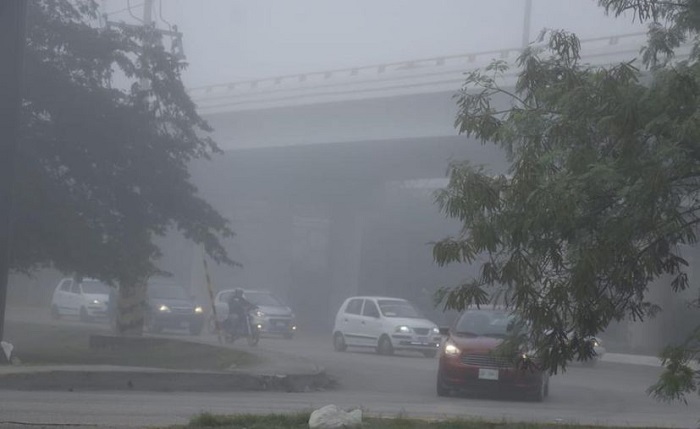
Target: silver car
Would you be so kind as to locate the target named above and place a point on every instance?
(272, 315)
(86, 298)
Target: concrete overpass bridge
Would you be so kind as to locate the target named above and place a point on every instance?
(315, 170)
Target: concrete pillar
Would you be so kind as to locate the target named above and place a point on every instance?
(264, 238)
(649, 336)
(344, 256)
(275, 272)
(308, 277)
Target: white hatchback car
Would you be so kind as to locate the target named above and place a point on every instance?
(385, 324)
(86, 299)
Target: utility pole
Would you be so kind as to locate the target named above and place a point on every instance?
(12, 41)
(147, 22)
(526, 23)
(147, 12)
(144, 85)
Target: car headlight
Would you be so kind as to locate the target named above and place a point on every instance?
(526, 353)
(451, 349)
(164, 309)
(259, 313)
(198, 309)
(403, 329)
(436, 331)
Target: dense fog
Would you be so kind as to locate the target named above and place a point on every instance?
(335, 122)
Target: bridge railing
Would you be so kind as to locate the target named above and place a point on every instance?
(599, 46)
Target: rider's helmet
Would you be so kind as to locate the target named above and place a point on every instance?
(238, 293)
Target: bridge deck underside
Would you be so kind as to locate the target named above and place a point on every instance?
(326, 170)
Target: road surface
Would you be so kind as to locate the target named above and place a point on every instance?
(404, 384)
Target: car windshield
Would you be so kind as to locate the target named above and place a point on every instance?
(167, 291)
(263, 298)
(486, 323)
(398, 308)
(95, 287)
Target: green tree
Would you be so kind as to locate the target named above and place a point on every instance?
(602, 193)
(103, 160)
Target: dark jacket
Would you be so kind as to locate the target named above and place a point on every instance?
(238, 306)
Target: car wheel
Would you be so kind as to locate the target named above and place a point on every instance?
(55, 314)
(440, 387)
(84, 317)
(430, 353)
(339, 342)
(384, 347)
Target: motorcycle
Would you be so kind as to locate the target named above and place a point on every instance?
(248, 329)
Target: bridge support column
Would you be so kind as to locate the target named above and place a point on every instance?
(344, 255)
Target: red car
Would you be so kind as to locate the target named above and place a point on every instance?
(468, 362)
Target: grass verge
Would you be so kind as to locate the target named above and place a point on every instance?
(64, 344)
(301, 420)
(250, 421)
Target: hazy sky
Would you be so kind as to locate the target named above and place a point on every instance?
(232, 40)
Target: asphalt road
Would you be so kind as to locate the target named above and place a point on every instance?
(402, 384)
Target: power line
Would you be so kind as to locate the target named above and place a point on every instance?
(173, 32)
(128, 4)
(160, 13)
(526, 23)
(126, 9)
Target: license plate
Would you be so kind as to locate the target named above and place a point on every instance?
(281, 324)
(184, 324)
(488, 374)
(423, 340)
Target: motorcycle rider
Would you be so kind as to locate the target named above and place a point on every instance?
(238, 308)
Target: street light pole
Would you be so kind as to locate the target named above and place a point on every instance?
(12, 40)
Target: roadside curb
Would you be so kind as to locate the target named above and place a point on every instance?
(638, 360)
(631, 359)
(271, 372)
(149, 379)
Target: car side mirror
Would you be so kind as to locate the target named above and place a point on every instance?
(445, 331)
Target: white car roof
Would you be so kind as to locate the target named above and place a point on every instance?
(377, 298)
(84, 279)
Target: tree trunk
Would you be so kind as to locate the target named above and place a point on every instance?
(131, 308)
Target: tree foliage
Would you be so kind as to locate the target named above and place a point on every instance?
(103, 160)
(602, 194)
